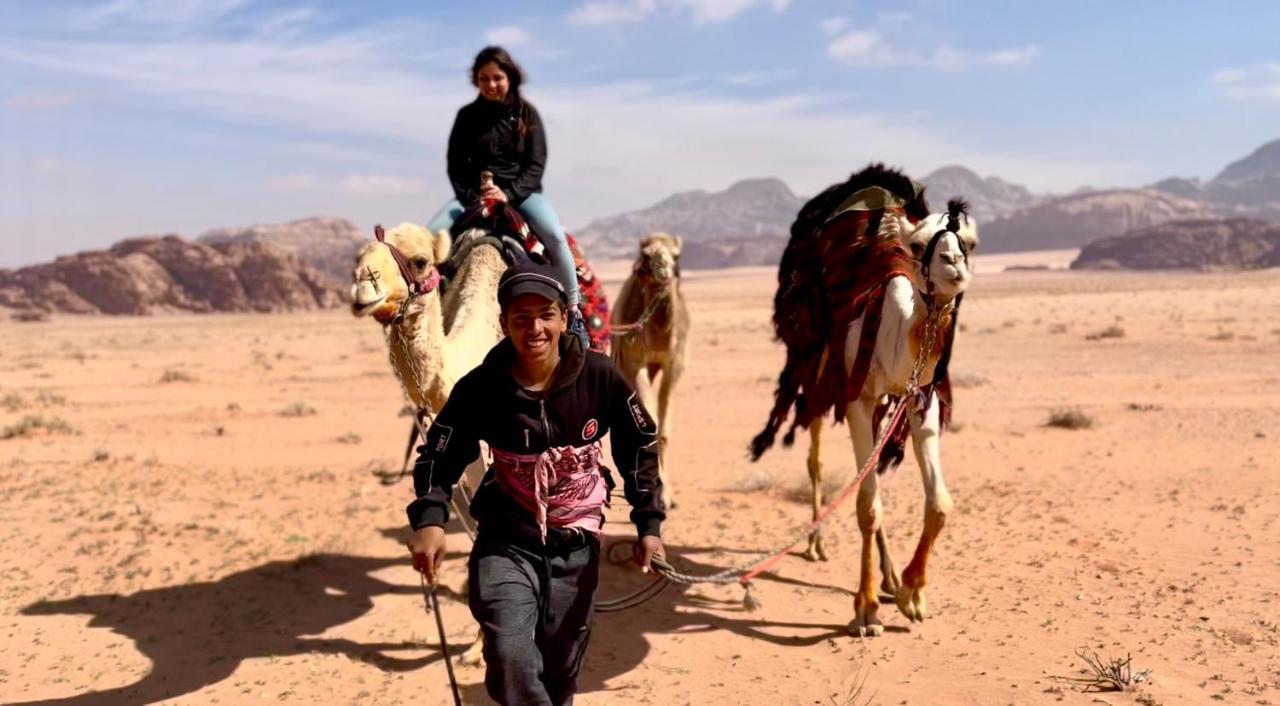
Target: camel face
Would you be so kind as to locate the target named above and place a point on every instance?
(378, 288)
(659, 255)
(951, 264)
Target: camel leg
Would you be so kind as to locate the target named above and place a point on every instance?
(670, 376)
(870, 511)
(474, 656)
(937, 504)
(889, 583)
(816, 552)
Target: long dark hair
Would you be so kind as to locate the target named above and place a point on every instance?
(515, 78)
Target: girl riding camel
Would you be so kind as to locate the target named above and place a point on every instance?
(500, 132)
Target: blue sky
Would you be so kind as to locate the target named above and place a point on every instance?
(124, 117)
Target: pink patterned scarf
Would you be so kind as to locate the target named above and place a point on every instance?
(562, 487)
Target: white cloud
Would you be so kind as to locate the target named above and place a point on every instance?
(894, 19)
(608, 12)
(350, 88)
(834, 25)
(293, 182)
(1257, 82)
(869, 48)
(160, 12)
(509, 35)
(41, 101)
(381, 185)
(1229, 76)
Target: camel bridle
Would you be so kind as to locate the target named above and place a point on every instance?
(417, 286)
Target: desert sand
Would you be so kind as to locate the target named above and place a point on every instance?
(208, 526)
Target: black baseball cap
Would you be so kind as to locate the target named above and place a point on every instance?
(530, 278)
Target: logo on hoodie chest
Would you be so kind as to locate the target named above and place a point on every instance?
(590, 429)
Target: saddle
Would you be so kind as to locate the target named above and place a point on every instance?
(497, 224)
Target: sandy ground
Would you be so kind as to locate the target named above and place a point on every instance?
(210, 528)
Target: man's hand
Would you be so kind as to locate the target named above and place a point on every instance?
(427, 546)
(647, 548)
(493, 192)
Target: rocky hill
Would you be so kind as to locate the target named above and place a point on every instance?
(327, 244)
(752, 209)
(989, 198)
(1218, 244)
(153, 275)
(1252, 184)
(1075, 221)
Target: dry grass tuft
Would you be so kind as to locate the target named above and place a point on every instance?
(33, 424)
(754, 481)
(1112, 674)
(172, 375)
(965, 380)
(350, 438)
(298, 409)
(1069, 418)
(1112, 331)
(13, 402)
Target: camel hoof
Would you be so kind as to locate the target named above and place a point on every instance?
(865, 622)
(912, 603)
(864, 629)
(816, 550)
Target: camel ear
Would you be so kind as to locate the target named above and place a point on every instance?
(679, 244)
(442, 246)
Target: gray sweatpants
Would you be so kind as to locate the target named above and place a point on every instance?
(535, 609)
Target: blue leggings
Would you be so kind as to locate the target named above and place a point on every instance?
(542, 218)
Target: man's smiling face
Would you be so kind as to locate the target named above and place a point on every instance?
(534, 324)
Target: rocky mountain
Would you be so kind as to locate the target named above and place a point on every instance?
(989, 198)
(1217, 244)
(327, 244)
(153, 275)
(749, 209)
(1252, 184)
(1075, 221)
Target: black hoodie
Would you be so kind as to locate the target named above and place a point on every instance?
(587, 399)
(485, 136)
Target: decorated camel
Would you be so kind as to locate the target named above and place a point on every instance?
(869, 291)
(651, 334)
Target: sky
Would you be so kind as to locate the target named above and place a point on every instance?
(129, 117)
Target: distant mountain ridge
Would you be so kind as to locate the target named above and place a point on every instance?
(750, 221)
(748, 209)
(154, 275)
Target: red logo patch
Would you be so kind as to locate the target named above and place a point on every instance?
(589, 431)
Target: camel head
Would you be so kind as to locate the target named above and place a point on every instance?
(659, 259)
(943, 244)
(378, 288)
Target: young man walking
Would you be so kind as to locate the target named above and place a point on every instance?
(543, 404)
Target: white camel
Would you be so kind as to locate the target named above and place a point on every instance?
(867, 253)
(651, 334)
(917, 312)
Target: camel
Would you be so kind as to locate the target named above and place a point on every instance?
(651, 334)
(432, 340)
(920, 261)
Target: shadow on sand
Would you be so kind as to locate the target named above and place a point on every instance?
(197, 634)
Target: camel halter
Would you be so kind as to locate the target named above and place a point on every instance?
(416, 287)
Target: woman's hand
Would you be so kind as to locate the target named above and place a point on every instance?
(494, 193)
